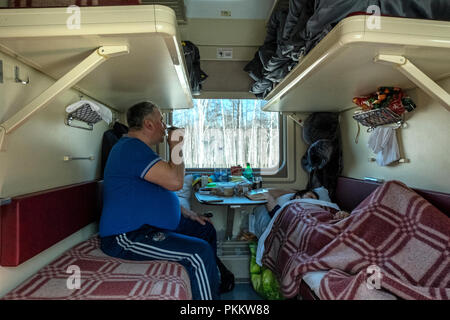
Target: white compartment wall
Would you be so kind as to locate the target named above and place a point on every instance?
(33, 156)
(425, 142)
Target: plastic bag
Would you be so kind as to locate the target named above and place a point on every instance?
(263, 280)
(383, 142)
(392, 98)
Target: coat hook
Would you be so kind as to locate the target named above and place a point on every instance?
(297, 121)
(16, 72)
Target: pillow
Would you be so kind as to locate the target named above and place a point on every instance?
(284, 198)
(323, 194)
(184, 194)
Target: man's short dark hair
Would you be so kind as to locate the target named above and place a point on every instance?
(137, 113)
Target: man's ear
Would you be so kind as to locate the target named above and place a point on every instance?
(148, 124)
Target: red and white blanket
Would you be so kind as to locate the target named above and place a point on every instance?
(394, 244)
(104, 278)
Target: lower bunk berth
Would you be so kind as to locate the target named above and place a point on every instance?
(86, 273)
(394, 245)
(35, 222)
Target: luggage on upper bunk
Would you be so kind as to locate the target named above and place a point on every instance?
(292, 33)
(293, 38)
(267, 59)
(195, 73)
(328, 13)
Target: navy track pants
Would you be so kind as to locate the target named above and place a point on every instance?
(191, 244)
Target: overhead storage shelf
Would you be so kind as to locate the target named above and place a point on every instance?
(152, 69)
(353, 60)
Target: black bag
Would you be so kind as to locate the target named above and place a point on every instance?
(196, 75)
(323, 159)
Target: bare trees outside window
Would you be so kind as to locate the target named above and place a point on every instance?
(223, 133)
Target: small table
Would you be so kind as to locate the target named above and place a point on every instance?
(232, 203)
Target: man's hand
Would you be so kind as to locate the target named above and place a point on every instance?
(194, 216)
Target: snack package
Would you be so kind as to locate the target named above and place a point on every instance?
(392, 98)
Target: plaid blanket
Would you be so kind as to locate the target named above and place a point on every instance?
(104, 278)
(394, 244)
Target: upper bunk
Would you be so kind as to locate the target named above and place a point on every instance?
(142, 53)
(353, 59)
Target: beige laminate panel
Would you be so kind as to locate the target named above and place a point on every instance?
(154, 69)
(342, 65)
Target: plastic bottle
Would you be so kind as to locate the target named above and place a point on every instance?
(204, 180)
(248, 172)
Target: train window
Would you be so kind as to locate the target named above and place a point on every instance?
(221, 133)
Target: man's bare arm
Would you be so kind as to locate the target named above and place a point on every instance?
(169, 174)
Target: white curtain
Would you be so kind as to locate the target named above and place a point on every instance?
(225, 133)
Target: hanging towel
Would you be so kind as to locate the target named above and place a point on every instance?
(383, 142)
(100, 109)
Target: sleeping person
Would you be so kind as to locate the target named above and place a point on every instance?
(272, 205)
(264, 216)
(311, 194)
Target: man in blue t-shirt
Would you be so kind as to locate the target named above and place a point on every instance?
(141, 217)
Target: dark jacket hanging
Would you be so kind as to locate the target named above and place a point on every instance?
(110, 137)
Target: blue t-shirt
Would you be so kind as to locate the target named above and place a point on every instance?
(130, 201)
